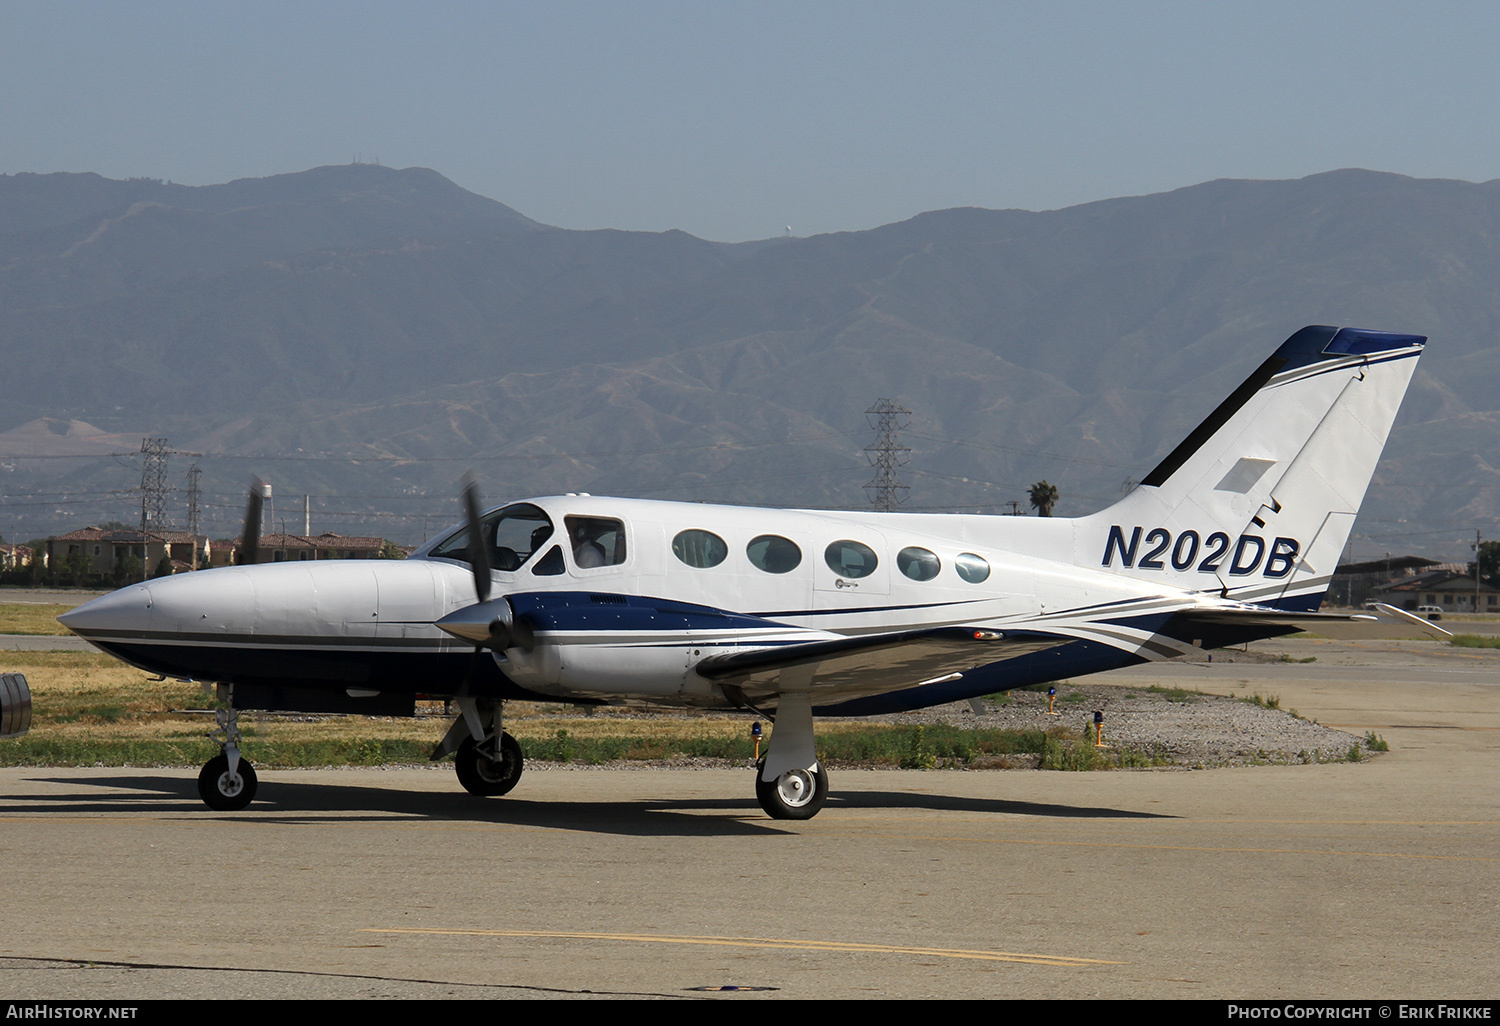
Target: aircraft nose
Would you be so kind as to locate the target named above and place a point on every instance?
(128, 609)
(209, 600)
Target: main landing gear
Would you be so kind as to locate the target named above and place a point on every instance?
(789, 781)
(795, 794)
(487, 759)
(227, 782)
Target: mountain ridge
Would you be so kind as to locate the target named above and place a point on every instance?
(389, 313)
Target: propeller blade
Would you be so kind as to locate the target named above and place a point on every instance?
(250, 537)
(479, 552)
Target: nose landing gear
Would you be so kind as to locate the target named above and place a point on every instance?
(226, 790)
(227, 782)
(483, 770)
(487, 759)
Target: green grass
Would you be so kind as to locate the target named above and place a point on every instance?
(922, 746)
(1475, 641)
(89, 709)
(31, 618)
(280, 744)
(40, 749)
(1083, 756)
(1181, 695)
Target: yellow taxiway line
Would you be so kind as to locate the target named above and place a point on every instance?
(763, 942)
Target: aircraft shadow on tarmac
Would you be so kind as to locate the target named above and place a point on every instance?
(303, 802)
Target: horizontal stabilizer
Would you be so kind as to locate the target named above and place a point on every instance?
(1383, 622)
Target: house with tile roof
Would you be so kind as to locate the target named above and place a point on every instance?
(279, 548)
(107, 547)
(1449, 588)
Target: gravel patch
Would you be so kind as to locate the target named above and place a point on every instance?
(1175, 729)
(1185, 728)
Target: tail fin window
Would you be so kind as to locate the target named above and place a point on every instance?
(1244, 474)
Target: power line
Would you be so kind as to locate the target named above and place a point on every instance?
(476, 458)
(971, 444)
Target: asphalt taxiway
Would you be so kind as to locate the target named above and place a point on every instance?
(1372, 880)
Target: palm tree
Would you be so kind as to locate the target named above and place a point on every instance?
(1043, 498)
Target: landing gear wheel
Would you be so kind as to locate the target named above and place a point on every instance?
(484, 776)
(221, 791)
(796, 794)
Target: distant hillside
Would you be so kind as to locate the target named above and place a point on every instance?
(367, 311)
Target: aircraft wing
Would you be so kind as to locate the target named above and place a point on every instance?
(1384, 622)
(871, 664)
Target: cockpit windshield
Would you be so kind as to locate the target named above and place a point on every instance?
(511, 533)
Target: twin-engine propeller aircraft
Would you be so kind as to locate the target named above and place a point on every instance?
(794, 613)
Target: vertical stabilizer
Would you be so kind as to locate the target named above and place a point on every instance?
(1258, 501)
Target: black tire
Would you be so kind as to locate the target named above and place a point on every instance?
(796, 794)
(224, 793)
(486, 777)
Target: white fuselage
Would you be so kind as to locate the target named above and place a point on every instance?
(370, 624)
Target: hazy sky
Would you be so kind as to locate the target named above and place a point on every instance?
(732, 120)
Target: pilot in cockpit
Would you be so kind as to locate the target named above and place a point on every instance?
(587, 552)
(539, 538)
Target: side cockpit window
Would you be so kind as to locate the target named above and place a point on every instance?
(512, 534)
(596, 541)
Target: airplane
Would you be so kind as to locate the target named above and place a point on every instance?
(793, 614)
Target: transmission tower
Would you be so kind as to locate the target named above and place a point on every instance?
(886, 453)
(154, 487)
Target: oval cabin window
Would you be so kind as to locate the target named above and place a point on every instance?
(972, 568)
(774, 554)
(701, 549)
(917, 563)
(850, 558)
